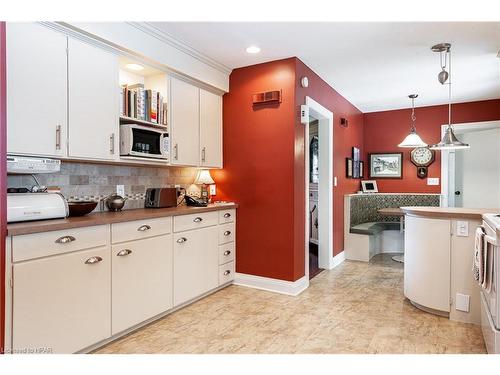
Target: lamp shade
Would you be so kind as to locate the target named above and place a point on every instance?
(449, 142)
(203, 178)
(412, 140)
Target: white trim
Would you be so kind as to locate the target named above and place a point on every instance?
(338, 259)
(291, 288)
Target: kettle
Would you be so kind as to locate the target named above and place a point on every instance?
(115, 202)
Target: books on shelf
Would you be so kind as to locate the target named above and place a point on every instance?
(143, 104)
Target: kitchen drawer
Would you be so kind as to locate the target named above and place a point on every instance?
(226, 233)
(195, 221)
(138, 229)
(226, 253)
(226, 273)
(227, 216)
(37, 245)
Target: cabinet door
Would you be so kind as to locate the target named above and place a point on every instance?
(62, 303)
(210, 129)
(93, 102)
(196, 264)
(185, 120)
(36, 90)
(142, 280)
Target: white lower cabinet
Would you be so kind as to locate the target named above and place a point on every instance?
(142, 280)
(62, 303)
(196, 261)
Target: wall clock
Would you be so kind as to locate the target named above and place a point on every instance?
(422, 157)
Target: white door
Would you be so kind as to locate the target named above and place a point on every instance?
(185, 120)
(196, 263)
(36, 90)
(62, 303)
(93, 102)
(210, 129)
(142, 280)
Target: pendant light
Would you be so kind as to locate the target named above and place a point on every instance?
(449, 140)
(413, 140)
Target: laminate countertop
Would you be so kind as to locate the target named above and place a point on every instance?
(38, 226)
(449, 212)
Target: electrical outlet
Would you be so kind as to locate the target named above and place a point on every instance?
(213, 190)
(462, 228)
(120, 190)
(433, 181)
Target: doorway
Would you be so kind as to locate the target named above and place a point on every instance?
(471, 177)
(319, 189)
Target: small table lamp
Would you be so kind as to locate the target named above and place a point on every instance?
(204, 179)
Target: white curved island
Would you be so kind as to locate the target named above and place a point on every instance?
(439, 245)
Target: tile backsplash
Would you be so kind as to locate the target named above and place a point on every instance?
(87, 181)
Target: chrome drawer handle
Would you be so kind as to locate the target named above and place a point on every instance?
(226, 272)
(197, 219)
(124, 252)
(227, 214)
(93, 260)
(65, 239)
(227, 233)
(143, 228)
(227, 252)
(182, 239)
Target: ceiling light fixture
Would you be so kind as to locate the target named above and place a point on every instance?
(449, 140)
(136, 67)
(413, 140)
(253, 49)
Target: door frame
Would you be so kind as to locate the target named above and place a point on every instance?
(448, 156)
(325, 185)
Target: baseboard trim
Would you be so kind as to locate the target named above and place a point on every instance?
(337, 259)
(291, 288)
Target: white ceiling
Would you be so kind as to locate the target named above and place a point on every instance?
(373, 65)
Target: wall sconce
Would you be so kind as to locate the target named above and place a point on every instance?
(344, 123)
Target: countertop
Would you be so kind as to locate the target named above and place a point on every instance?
(449, 212)
(391, 211)
(28, 227)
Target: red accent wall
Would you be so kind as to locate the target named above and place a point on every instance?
(383, 131)
(3, 179)
(264, 165)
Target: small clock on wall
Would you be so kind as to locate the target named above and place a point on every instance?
(422, 157)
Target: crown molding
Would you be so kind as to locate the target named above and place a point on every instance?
(164, 37)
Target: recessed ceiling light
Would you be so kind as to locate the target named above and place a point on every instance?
(253, 49)
(134, 66)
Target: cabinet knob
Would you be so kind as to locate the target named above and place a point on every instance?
(198, 219)
(143, 228)
(227, 252)
(182, 240)
(124, 252)
(65, 239)
(226, 272)
(227, 214)
(93, 260)
(227, 233)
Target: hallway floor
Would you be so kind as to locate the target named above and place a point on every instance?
(355, 308)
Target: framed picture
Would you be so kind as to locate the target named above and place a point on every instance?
(386, 165)
(348, 167)
(355, 154)
(355, 169)
(361, 169)
(369, 186)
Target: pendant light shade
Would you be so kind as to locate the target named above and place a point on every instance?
(449, 140)
(413, 140)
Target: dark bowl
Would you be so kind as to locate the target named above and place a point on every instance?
(81, 208)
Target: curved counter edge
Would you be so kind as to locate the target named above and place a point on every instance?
(449, 212)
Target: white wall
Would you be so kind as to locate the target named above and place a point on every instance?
(477, 170)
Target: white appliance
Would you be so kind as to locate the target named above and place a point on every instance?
(490, 308)
(35, 206)
(144, 141)
(28, 165)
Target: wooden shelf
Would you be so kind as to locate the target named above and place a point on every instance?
(131, 120)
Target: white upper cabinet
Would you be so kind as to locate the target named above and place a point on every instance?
(210, 129)
(36, 90)
(93, 102)
(184, 122)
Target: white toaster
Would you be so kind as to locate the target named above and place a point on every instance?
(35, 206)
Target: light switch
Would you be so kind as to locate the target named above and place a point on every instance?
(462, 302)
(120, 190)
(463, 228)
(335, 181)
(433, 181)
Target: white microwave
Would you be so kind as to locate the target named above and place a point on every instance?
(144, 141)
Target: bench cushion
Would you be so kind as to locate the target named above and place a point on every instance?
(375, 227)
